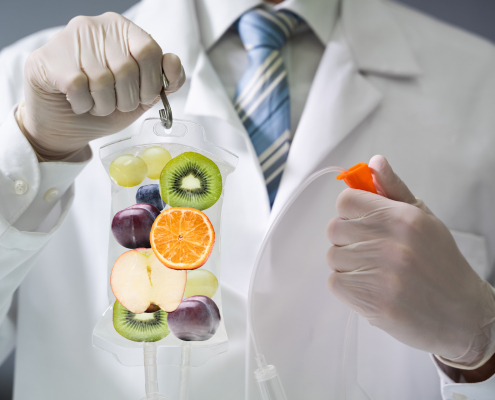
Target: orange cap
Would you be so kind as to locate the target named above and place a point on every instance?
(358, 177)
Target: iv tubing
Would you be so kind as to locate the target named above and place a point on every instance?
(185, 368)
(267, 373)
(350, 321)
(150, 371)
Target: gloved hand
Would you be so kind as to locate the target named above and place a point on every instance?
(399, 267)
(94, 78)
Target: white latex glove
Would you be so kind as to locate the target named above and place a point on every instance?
(399, 267)
(94, 78)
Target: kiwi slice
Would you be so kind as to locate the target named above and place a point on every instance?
(191, 180)
(145, 327)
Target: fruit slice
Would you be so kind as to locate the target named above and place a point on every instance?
(191, 180)
(201, 282)
(139, 282)
(128, 170)
(147, 327)
(155, 158)
(182, 238)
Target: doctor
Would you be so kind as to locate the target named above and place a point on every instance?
(365, 77)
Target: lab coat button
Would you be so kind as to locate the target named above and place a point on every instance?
(51, 194)
(20, 187)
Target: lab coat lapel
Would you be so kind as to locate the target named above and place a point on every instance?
(367, 40)
(339, 100)
(207, 95)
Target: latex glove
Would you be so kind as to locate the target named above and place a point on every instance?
(399, 267)
(94, 78)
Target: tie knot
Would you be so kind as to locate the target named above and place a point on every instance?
(263, 28)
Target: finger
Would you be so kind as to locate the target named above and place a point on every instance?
(148, 56)
(174, 71)
(358, 257)
(360, 291)
(100, 79)
(102, 88)
(344, 286)
(388, 182)
(344, 232)
(65, 77)
(126, 74)
(354, 203)
(92, 60)
(75, 85)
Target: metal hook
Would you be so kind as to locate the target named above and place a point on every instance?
(166, 113)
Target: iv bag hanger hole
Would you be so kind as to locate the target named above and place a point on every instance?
(177, 130)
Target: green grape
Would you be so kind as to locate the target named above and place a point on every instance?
(128, 170)
(201, 282)
(155, 158)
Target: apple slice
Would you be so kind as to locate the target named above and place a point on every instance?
(140, 282)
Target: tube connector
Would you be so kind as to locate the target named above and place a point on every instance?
(266, 373)
(358, 177)
(269, 383)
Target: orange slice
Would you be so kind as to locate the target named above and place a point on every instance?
(182, 238)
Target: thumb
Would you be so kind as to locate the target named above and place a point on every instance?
(389, 185)
(174, 71)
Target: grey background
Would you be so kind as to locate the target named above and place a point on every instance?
(19, 18)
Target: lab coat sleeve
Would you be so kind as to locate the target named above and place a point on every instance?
(24, 226)
(452, 390)
(29, 193)
(452, 384)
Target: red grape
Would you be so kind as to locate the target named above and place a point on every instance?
(196, 319)
(131, 226)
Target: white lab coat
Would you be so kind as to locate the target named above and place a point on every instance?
(391, 82)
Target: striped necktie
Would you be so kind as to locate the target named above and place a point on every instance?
(262, 95)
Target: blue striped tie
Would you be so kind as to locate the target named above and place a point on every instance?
(262, 96)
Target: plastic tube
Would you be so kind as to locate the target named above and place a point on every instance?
(151, 372)
(350, 321)
(266, 375)
(185, 368)
(269, 383)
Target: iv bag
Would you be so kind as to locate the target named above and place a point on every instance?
(127, 191)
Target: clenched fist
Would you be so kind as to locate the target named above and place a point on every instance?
(94, 78)
(399, 267)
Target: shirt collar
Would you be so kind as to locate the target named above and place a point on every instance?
(375, 37)
(216, 16)
(320, 16)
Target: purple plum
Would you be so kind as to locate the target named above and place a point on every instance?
(196, 319)
(150, 194)
(131, 226)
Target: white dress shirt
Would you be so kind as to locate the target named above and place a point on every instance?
(301, 55)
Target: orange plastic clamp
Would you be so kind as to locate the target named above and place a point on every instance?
(358, 177)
